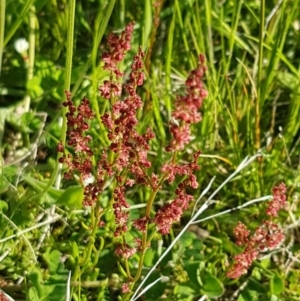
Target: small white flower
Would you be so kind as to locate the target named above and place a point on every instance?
(21, 45)
(88, 180)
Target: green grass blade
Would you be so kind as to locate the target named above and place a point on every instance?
(18, 21)
(2, 26)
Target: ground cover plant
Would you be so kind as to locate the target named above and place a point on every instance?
(149, 150)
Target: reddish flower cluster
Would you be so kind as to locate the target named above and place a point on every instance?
(279, 200)
(141, 223)
(81, 162)
(186, 113)
(121, 216)
(128, 163)
(266, 237)
(125, 251)
(130, 148)
(125, 288)
(172, 212)
(187, 108)
(118, 46)
(77, 121)
(241, 233)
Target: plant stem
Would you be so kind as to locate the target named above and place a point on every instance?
(2, 26)
(14, 27)
(258, 100)
(31, 56)
(83, 263)
(69, 56)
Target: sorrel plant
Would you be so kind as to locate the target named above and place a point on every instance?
(126, 163)
(126, 160)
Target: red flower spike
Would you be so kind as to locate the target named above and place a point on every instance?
(279, 200)
(141, 223)
(266, 237)
(187, 107)
(131, 148)
(118, 46)
(241, 234)
(125, 251)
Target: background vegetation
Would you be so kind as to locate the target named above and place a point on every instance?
(253, 58)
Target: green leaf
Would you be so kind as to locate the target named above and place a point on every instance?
(194, 254)
(34, 87)
(47, 291)
(77, 73)
(248, 295)
(58, 293)
(241, 298)
(212, 286)
(159, 289)
(185, 290)
(256, 286)
(33, 294)
(276, 285)
(52, 195)
(3, 206)
(187, 239)
(257, 274)
(7, 175)
(287, 79)
(149, 256)
(53, 260)
(134, 214)
(74, 250)
(265, 263)
(193, 271)
(72, 197)
(193, 251)
(36, 279)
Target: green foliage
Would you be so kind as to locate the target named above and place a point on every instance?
(276, 285)
(252, 50)
(211, 286)
(53, 287)
(71, 197)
